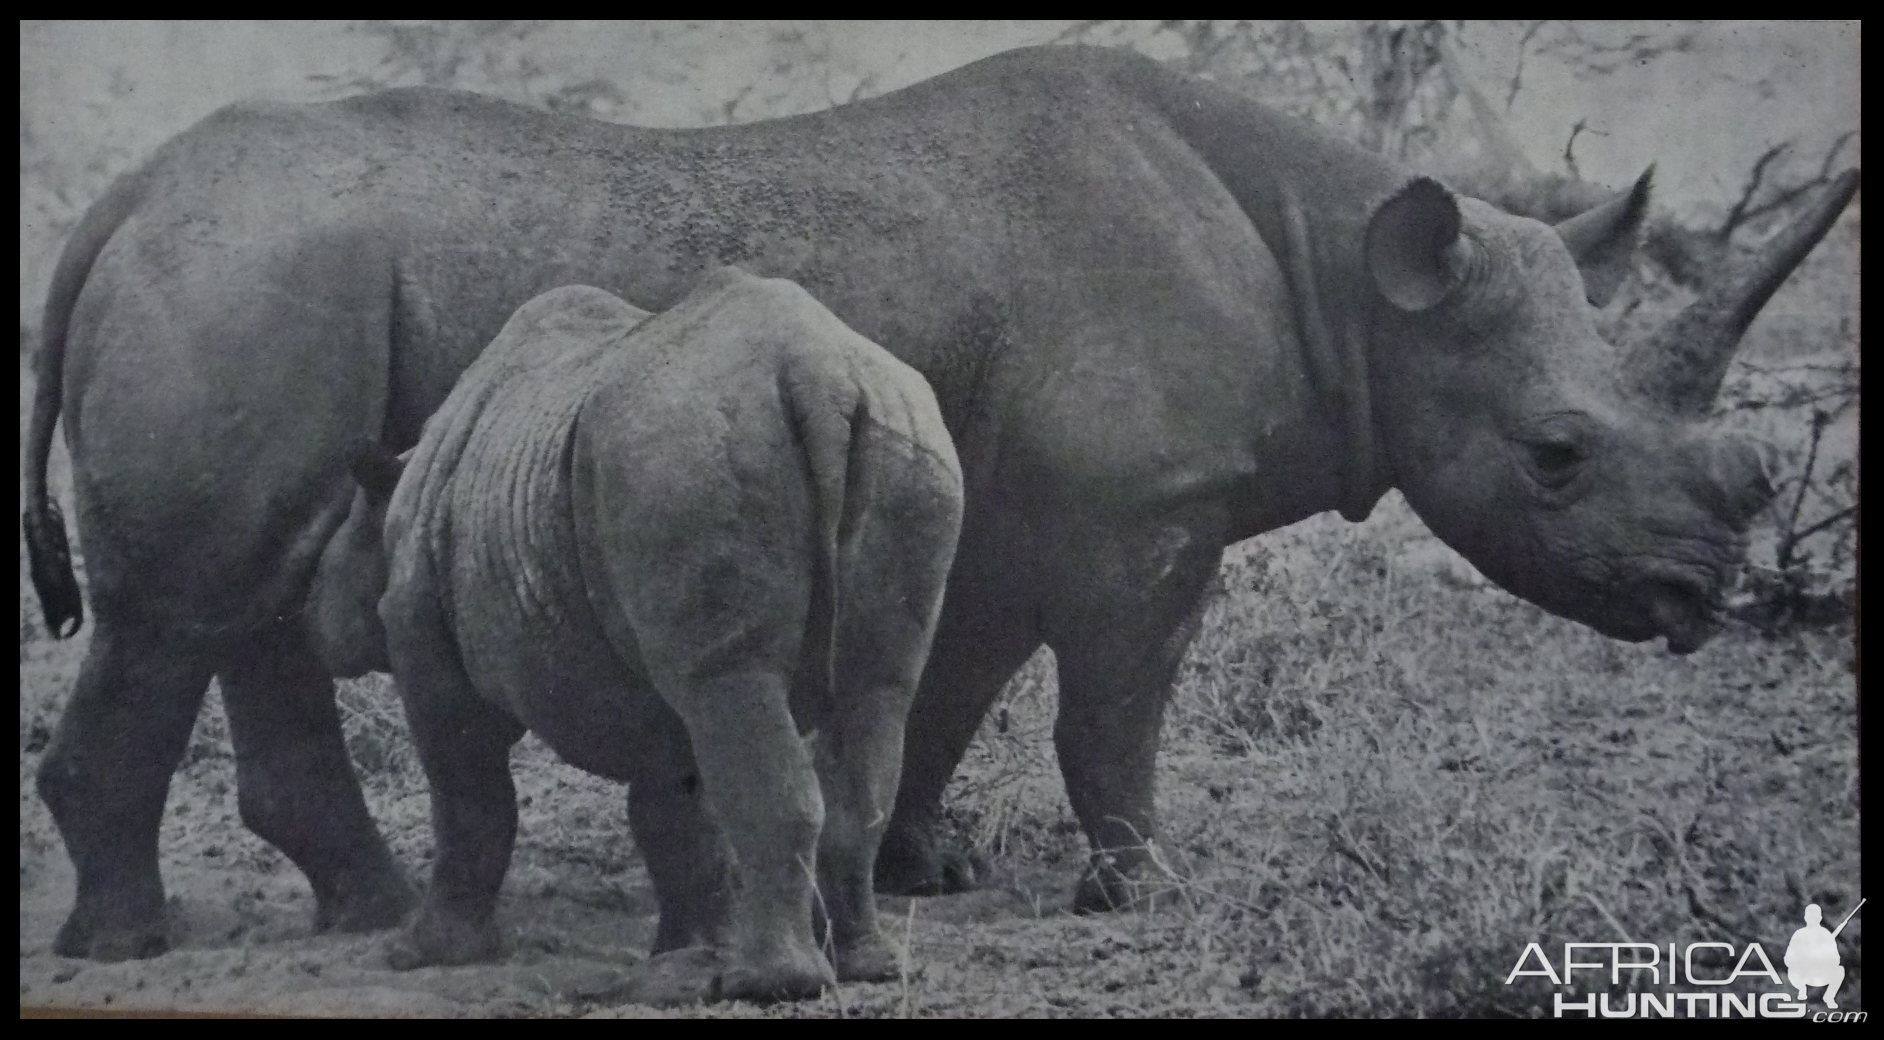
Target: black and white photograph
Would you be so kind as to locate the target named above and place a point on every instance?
(1054, 519)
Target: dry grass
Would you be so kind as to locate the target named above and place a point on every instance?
(1379, 784)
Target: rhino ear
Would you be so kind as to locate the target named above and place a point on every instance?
(376, 468)
(1603, 239)
(1411, 245)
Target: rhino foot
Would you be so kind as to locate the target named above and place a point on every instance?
(919, 865)
(704, 974)
(381, 904)
(81, 937)
(435, 938)
(1109, 885)
(873, 958)
(787, 972)
(690, 975)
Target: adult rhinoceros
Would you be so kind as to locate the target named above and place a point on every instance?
(1159, 318)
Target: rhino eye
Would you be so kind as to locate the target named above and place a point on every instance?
(1554, 461)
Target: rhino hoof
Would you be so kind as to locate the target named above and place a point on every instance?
(960, 871)
(690, 975)
(1105, 888)
(141, 942)
(871, 959)
(922, 869)
(702, 974)
(383, 906)
(792, 975)
(437, 939)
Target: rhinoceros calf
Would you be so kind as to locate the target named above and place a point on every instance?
(705, 556)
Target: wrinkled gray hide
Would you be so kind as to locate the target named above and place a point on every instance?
(719, 529)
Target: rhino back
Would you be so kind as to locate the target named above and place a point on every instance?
(990, 227)
(955, 191)
(486, 503)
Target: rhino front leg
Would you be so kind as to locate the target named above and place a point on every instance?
(105, 778)
(985, 635)
(295, 786)
(1118, 639)
(464, 745)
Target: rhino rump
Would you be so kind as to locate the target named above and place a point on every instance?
(719, 465)
(770, 486)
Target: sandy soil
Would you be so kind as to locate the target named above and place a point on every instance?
(577, 909)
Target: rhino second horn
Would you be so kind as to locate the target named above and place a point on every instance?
(1603, 239)
(1684, 363)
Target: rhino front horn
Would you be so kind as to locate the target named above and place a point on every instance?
(1684, 363)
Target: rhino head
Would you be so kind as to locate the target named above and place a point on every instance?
(342, 613)
(1583, 477)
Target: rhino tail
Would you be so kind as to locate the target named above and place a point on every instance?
(827, 424)
(48, 552)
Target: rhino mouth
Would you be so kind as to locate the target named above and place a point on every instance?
(1686, 609)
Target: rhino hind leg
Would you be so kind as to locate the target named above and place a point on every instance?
(763, 788)
(296, 789)
(466, 754)
(894, 565)
(681, 844)
(106, 775)
(1118, 643)
(859, 759)
(464, 745)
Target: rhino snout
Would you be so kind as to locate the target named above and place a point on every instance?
(1685, 610)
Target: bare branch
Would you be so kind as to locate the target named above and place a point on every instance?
(1831, 154)
(1570, 146)
(1843, 514)
(1785, 198)
(1843, 368)
(1789, 540)
(1737, 215)
(1517, 75)
(1587, 56)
